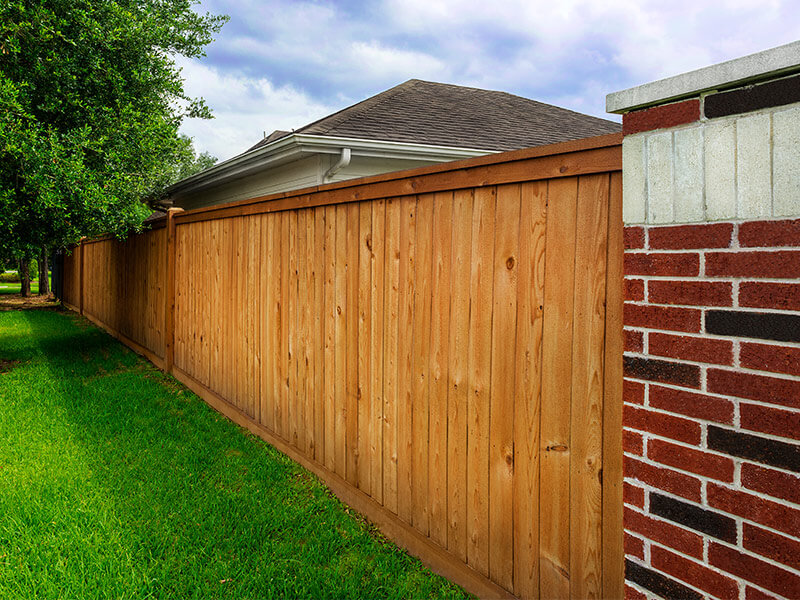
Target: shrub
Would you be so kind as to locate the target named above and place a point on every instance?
(9, 277)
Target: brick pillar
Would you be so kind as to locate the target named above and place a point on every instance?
(711, 188)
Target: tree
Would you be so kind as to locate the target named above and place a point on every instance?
(183, 163)
(90, 105)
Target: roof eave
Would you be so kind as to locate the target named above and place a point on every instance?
(297, 145)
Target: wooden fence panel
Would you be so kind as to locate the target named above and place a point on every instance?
(438, 356)
(123, 287)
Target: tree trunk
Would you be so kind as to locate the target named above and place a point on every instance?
(44, 282)
(25, 277)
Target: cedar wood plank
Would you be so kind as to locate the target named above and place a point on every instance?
(554, 576)
(480, 362)
(530, 303)
(501, 409)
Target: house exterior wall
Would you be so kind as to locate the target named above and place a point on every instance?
(711, 204)
(366, 166)
(289, 176)
(295, 175)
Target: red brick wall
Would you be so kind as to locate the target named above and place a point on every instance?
(712, 410)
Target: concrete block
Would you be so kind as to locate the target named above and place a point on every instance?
(633, 179)
(786, 162)
(659, 178)
(753, 167)
(719, 149)
(688, 196)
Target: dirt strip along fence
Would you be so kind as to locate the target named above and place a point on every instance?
(441, 346)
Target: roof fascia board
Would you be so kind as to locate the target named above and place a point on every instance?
(295, 146)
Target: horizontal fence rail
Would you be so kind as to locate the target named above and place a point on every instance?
(441, 346)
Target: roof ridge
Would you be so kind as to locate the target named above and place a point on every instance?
(359, 108)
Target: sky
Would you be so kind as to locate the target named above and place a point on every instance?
(281, 64)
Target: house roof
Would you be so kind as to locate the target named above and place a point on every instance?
(425, 112)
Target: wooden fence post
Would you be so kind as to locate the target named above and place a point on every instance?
(169, 312)
(80, 278)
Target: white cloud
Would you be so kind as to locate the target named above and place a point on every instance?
(377, 60)
(244, 108)
(282, 63)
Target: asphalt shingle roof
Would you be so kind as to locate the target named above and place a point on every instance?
(425, 112)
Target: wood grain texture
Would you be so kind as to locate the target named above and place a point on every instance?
(438, 379)
(377, 317)
(501, 409)
(390, 360)
(556, 374)
(340, 351)
(351, 343)
(528, 396)
(479, 361)
(364, 356)
(587, 388)
(421, 365)
(405, 357)
(458, 369)
(329, 334)
(442, 347)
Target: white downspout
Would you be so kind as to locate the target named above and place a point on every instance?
(343, 161)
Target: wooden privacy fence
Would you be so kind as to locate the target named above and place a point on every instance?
(441, 346)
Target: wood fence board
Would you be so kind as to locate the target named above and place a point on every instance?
(378, 283)
(294, 404)
(351, 343)
(458, 369)
(405, 356)
(479, 360)
(272, 342)
(330, 337)
(286, 317)
(528, 397)
(390, 335)
(364, 356)
(439, 349)
(421, 328)
(340, 401)
(319, 320)
(308, 362)
(501, 410)
(587, 389)
(256, 302)
(557, 340)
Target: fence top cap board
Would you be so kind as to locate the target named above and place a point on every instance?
(752, 68)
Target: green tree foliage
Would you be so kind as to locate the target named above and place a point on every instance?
(183, 163)
(90, 105)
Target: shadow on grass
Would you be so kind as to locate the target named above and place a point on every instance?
(128, 485)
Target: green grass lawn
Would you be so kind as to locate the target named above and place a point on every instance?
(14, 288)
(118, 482)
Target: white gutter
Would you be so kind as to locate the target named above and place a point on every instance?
(343, 161)
(297, 145)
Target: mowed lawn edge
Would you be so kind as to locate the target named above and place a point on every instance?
(118, 482)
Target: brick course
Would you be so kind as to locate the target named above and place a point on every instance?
(712, 409)
(659, 117)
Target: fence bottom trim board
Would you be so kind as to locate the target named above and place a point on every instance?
(401, 533)
(158, 361)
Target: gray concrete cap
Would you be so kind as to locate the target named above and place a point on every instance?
(776, 61)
